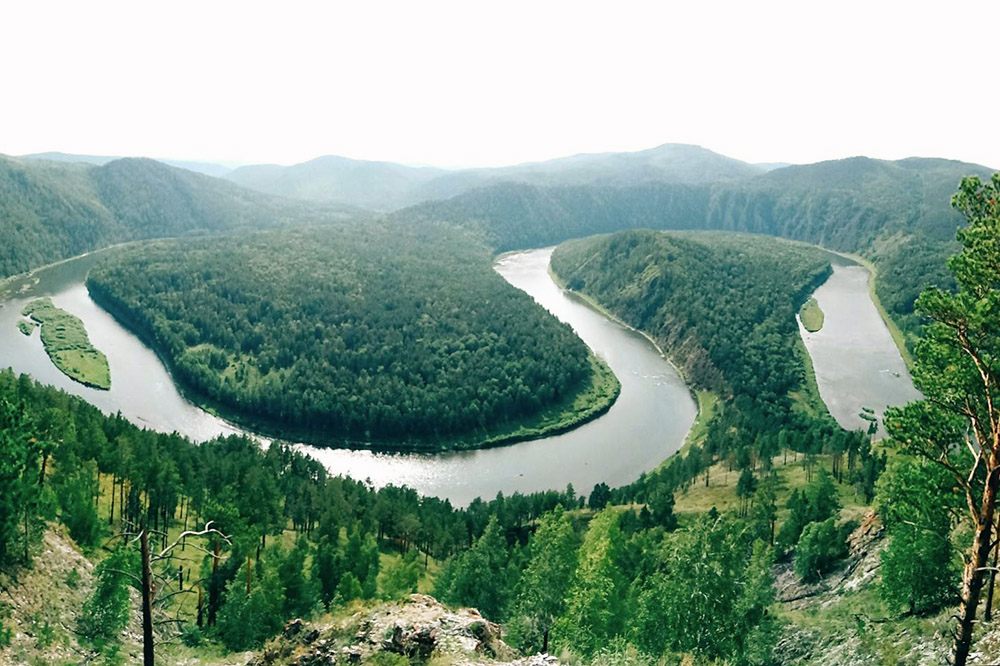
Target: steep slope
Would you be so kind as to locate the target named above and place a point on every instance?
(53, 210)
(388, 186)
(896, 214)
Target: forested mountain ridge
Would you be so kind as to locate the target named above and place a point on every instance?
(373, 336)
(54, 210)
(895, 213)
(389, 186)
(374, 185)
(207, 168)
(723, 307)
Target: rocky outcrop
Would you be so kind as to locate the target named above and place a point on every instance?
(415, 629)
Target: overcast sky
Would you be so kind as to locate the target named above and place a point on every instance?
(475, 84)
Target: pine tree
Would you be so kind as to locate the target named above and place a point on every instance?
(958, 424)
(916, 502)
(478, 576)
(596, 601)
(108, 608)
(542, 589)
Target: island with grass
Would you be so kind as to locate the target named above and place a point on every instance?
(27, 326)
(811, 316)
(67, 344)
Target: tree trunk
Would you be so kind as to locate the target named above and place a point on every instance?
(41, 474)
(988, 614)
(148, 658)
(972, 578)
(111, 512)
(545, 642)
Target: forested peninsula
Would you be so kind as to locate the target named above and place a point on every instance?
(723, 306)
(385, 336)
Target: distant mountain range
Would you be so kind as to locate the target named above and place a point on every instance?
(387, 186)
(207, 168)
(895, 213)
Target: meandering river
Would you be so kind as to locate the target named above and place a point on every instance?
(857, 365)
(647, 423)
(856, 361)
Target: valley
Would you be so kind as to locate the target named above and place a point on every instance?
(385, 332)
(534, 334)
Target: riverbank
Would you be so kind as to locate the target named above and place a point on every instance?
(706, 401)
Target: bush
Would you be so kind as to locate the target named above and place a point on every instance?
(821, 546)
(192, 636)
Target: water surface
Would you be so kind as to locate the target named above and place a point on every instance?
(856, 360)
(647, 423)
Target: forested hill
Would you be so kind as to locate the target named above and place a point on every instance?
(54, 210)
(388, 186)
(374, 185)
(894, 213)
(723, 304)
(363, 335)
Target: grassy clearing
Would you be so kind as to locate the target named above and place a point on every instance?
(807, 400)
(811, 315)
(792, 470)
(708, 402)
(66, 342)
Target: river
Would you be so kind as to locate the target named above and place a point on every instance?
(647, 423)
(856, 361)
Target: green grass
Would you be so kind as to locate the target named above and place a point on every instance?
(792, 470)
(807, 399)
(811, 316)
(708, 401)
(65, 340)
(26, 326)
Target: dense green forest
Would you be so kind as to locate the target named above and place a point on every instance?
(616, 575)
(724, 304)
(893, 213)
(397, 336)
(55, 210)
(102, 477)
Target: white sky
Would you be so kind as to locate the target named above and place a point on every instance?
(472, 83)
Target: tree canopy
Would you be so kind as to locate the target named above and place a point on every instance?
(398, 336)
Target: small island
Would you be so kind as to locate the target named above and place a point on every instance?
(27, 326)
(65, 340)
(811, 316)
